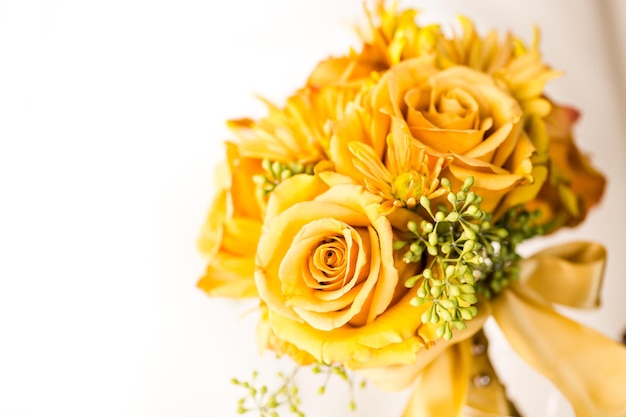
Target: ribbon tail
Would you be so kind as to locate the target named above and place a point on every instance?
(486, 395)
(588, 368)
(442, 386)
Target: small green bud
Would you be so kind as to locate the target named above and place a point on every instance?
(454, 290)
(433, 239)
(451, 198)
(468, 232)
(459, 324)
(426, 316)
(450, 270)
(398, 244)
(446, 248)
(467, 289)
(434, 317)
(436, 291)
(428, 273)
(411, 281)
(427, 227)
(450, 304)
(440, 216)
(421, 292)
(452, 217)
(447, 334)
(469, 181)
(468, 298)
(412, 226)
(472, 211)
(416, 302)
(466, 314)
(439, 331)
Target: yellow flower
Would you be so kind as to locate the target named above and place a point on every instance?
(463, 113)
(231, 231)
(299, 132)
(510, 62)
(573, 186)
(392, 36)
(327, 271)
(408, 173)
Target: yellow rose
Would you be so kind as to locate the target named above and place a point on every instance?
(232, 229)
(573, 186)
(456, 113)
(326, 269)
(463, 113)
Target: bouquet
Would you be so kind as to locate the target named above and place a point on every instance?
(376, 216)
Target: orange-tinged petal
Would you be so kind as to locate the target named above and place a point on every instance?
(229, 276)
(212, 231)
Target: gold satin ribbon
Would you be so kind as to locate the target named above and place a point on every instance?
(588, 368)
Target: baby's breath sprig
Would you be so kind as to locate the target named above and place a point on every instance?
(277, 172)
(267, 403)
(449, 246)
(339, 370)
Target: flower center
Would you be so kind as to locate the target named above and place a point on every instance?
(407, 188)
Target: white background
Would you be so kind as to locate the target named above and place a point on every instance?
(111, 120)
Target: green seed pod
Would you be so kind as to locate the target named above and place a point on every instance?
(453, 290)
(459, 324)
(452, 217)
(426, 226)
(448, 304)
(436, 291)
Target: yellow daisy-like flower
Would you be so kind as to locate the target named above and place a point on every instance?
(408, 174)
(392, 36)
(299, 132)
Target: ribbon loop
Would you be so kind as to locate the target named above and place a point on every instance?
(570, 274)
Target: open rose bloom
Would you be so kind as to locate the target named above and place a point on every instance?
(376, 215)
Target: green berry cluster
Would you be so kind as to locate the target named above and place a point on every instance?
(277, 172)
(338, 370)
(267, 403)
(449, 246)
(500, 250)
(464, 253)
